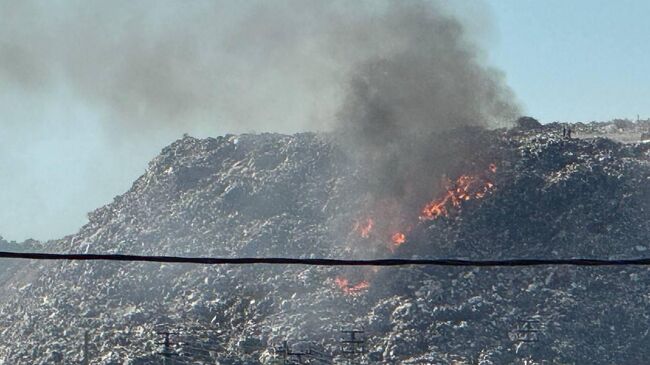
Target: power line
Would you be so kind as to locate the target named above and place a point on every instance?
(325, 262)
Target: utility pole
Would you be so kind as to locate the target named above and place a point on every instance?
(353, 345)
(166, 352)
(318, 356)
(309, 356)
(86, 358)
(287, 353)
(527, 333)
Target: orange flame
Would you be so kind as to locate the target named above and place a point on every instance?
(398, 238)
(437, 208)
(347, 288)
(465, 188)
(364, 228)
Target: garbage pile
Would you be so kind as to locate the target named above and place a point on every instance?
(8, 268)
(272, 195)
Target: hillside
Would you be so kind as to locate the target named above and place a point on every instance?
(517, 194)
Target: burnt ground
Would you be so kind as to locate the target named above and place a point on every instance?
(299, 196)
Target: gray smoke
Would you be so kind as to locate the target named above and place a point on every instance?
(426, 78)
(283, 66)
(177, 64)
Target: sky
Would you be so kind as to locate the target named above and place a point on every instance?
(578, 60)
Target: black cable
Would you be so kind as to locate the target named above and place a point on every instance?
(325, 262)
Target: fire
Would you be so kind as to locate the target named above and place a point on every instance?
(465, 188)
(364, 228)
(392, 231)
(437, 207)
(398, 238)
(347, 288)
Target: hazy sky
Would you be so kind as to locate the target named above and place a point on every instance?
(576, 60)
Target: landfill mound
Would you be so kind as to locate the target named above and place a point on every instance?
(523, 194)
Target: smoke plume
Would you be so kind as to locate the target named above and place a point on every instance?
(286, 65)
(425, 78)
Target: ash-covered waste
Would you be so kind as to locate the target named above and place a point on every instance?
(519, 194)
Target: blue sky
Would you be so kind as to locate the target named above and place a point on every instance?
(576, 60)
(565, 60)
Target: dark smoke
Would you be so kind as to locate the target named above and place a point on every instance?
(426, 79)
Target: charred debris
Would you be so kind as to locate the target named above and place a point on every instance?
(526, 192)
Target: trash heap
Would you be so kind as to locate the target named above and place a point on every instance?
(272, 195)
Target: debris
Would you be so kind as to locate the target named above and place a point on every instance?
(298, 196)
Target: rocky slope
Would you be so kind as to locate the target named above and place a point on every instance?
(300, 196)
